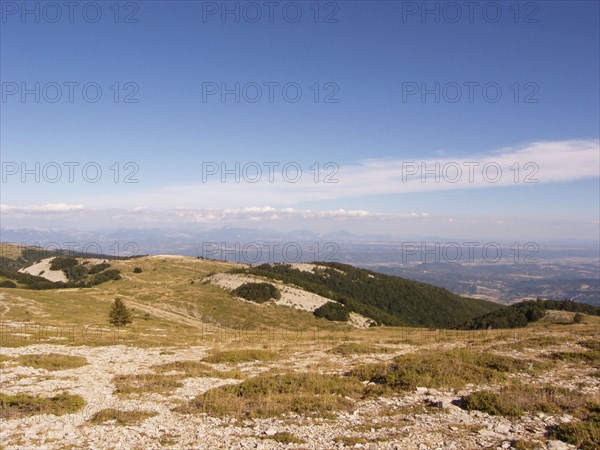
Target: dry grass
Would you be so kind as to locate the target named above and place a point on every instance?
(24, 405)
(284, 437)
(353, 348)
(52, 361)
(241, 356)
(310, 394)
(442, 369)
(195, 369)
(146, 383)
(591, 357)
(121, 417)
(516, 399)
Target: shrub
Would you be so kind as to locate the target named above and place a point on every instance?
(578, 318)
(119, 314)
(107, 275)
(584, 434)
(97, 268)
(7, 284)
(333, 311)
(257, 292)
(61, 263)
(137, 270)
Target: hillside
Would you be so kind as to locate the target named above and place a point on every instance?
(521, 314)
(389, 300)
(207, 361)
(333, 291)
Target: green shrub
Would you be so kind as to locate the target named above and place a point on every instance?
(119, 314)
(257, 292)
(584, 434)
(61, 263)
(97, 268)
(107, 275)
(137, 270)
(333, 311)
(7, 284)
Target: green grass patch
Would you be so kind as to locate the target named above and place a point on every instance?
(241, 356)
(121, 417)
(24, 405)
(52, 361)
(310, 394)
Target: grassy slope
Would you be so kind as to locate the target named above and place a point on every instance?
(164, 299)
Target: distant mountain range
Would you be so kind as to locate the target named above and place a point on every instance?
(555, 270)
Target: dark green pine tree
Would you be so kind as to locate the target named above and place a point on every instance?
(119, 314)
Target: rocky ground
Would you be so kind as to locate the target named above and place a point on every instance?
(423, 419)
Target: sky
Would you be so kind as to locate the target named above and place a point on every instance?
(368, 116)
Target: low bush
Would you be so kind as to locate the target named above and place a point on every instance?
(333, 311)
(257, 292)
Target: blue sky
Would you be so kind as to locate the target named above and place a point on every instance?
(372, 53)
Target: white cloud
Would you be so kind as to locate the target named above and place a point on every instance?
(527, 165)
(48, 208)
